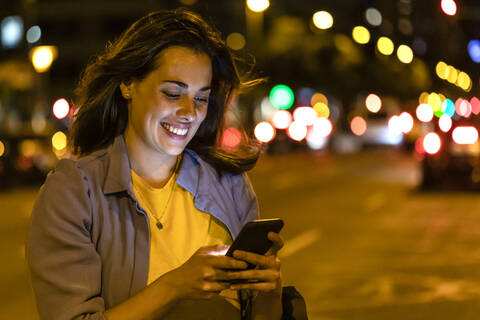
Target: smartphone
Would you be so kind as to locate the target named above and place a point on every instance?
(253, 237)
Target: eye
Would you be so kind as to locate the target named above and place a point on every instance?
(201, 99)
(171, 95)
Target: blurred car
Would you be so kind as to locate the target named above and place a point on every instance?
(456, 164)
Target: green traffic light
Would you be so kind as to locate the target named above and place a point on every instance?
(281, 96)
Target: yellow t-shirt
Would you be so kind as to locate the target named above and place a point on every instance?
(184, 228)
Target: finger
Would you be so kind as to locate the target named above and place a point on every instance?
(277, 243)
(224, 262)
(266, 262)
(217, 249)
(260, 286)
(214, 286)
(264, 275)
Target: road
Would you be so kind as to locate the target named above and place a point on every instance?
(361, 242)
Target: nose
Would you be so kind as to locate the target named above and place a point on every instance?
(186, 109)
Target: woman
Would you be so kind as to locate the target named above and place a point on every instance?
(136, 226)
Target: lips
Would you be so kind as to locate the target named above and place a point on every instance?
(178, 130)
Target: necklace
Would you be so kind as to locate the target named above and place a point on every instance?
(171, 184)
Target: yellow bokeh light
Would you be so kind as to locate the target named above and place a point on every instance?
(385, 46)
(258, 5)
(27, 148)
(361, 34)
(463, 80)
(59, 140)
(236, 41)
(322, 110)
(2, 148)
(442, 70)
(435, 101)
(423, 98)
(318, 97)
(452, 74)
(322, 20)
(404, 54)
(42, 57)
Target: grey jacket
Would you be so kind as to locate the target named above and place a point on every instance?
(88, 243)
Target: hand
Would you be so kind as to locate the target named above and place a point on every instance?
(266, 277)
(204, 275)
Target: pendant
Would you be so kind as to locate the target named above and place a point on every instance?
(159, 225)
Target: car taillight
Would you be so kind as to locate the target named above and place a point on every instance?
(465, 135)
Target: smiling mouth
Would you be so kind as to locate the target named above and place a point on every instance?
(175, 130)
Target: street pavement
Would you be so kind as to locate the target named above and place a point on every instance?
(361, 242)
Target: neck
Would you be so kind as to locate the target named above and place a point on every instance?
(152, 166)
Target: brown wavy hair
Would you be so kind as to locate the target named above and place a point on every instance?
(102, 112)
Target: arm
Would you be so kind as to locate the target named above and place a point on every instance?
(64, 265)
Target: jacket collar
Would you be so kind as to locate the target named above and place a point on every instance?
(118, 177)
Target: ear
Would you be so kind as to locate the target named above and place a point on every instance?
(125, 89)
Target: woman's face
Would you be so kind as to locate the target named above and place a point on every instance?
(167, 107)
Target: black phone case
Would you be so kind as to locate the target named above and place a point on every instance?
(253, 237)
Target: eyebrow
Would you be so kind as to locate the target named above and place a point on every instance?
(184, 85)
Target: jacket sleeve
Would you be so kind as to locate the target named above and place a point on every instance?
(64, 266)
(245, 198)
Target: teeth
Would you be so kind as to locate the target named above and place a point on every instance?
(177, 131)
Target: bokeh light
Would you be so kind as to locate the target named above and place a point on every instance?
(435, 102)
(33, 34)
(432, 143)
(304, 115)
(373, 17)
(281, 119)
(27, 148)
(475, 103)
(42, 57)
(465, 135)
(264, 132)
(236, 41)
(395, 126)
(61, 108)
(445, 123)
(373, 103)
(297, 131)
(424, 112)
(322, 110)
(258, 5)
(404, 54)
(318, 97)
(358, 126)
(385, 46)
(423, 98)
(448, 107)
(2, 148)
(322, 20)
(361, 34)
(407, 122)
(442, 70)
(452, 74)
(59, 140)
(281, 96)
(449, 7)
(231, 138)
(11, 30)
(474, 50)
(322, 127)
